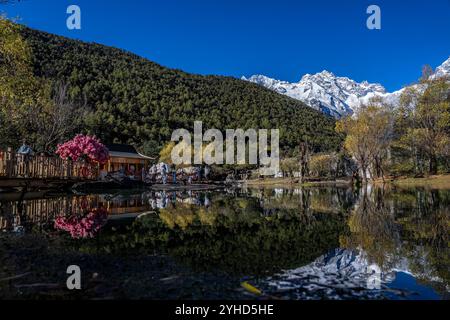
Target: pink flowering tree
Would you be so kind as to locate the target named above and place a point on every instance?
(83, 148)
(83, 226)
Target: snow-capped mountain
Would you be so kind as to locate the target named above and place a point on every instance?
(344, 273)
(333, 95)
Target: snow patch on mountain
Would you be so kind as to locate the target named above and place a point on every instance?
(443, 70)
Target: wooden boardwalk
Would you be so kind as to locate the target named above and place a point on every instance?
(15, 168)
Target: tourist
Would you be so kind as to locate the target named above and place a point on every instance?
(164, 173)
(24, 152)
(207, 170)
(199, 173)
(152, 171)
(174, 174)
(143, 174)
(25, 149)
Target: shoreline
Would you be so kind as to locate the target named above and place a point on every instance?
(436, 181)
(441, 181)
(294, 182)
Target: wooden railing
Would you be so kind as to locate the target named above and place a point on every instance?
(19, 166)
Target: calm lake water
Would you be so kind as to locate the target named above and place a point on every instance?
(309, 243)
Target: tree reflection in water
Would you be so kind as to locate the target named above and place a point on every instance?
(391, 232)
(239, 235)
(295, 243)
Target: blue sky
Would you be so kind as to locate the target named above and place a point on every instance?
(282, 39)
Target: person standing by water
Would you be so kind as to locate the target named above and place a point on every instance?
(25, 149)
(25, 152)
(164, 170)
(174, 174)
(143, 174)
(199, 173)
(152, 172)
(207, 170)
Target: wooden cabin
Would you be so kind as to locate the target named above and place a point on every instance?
(125, 158)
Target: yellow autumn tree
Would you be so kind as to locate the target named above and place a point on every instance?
(368, 136)
(165, 153)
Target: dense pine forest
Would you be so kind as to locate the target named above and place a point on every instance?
(129, 99)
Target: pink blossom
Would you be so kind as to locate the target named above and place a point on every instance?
(85, 226)
(83, 147)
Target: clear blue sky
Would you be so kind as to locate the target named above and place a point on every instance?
(282, 39)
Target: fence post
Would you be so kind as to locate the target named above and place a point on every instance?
(9, 163)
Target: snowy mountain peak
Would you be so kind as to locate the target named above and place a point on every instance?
(327, 74)
(323, 91)
(443, 70)
(333, 95)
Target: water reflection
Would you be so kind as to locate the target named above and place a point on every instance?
(19, 214)
(350, 274)
(305, 243)
(396, 247)
(85, 225)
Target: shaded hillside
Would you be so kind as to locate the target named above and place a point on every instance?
(140, 102)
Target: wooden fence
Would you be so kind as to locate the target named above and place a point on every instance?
(17, 166)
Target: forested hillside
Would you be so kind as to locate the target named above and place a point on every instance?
(140, 102)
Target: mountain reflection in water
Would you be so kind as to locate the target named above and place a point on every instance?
(308, 243)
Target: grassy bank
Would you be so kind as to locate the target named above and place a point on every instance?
(435, 182)
(294, 182)
(272, 182)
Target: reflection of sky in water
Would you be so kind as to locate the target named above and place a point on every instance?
(407, 282)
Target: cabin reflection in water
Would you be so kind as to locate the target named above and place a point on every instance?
(18, 215)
